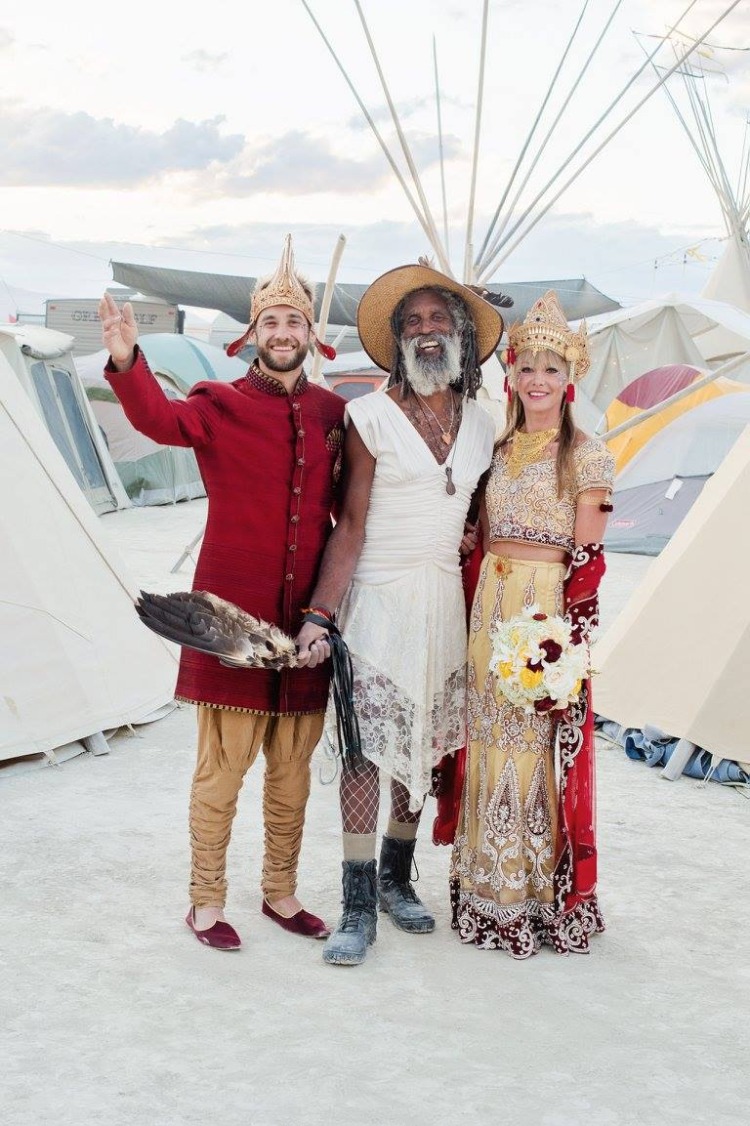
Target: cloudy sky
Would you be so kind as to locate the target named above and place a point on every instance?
(195, 136)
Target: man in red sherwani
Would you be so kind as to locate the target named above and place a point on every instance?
(269, 451)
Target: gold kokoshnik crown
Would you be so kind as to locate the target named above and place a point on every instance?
(545, 328)
(284, 287)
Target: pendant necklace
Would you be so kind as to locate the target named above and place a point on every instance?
(446, 436)
(450, 488)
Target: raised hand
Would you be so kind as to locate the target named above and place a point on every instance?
(119, 331)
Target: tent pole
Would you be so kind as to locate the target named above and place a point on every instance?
(501, 257)
(527, 142)
(725, 369)
(468, 265)
(489, 258)
(440, 144)
(369, 119)
(433, 235)
(550, 131)
(325, 306)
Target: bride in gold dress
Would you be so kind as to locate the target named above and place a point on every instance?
(523, 869)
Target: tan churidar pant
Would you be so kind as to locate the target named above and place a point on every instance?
(228, 745)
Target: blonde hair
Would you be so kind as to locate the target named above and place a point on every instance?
(566, 437)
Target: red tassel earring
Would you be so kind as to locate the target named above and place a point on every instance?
(570, 393)
(237, 345)
(326, 351)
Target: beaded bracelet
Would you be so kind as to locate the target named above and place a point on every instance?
(321, 611)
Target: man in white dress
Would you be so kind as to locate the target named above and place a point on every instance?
(391, 575)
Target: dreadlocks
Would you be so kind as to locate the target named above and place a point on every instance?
(471, 373)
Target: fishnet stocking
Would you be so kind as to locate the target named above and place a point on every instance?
(400, 805)
(360, 798)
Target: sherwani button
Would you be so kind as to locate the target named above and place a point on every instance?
(292, 547)
(288, 578)
(295, 519)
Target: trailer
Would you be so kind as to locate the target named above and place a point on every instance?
(79, 318)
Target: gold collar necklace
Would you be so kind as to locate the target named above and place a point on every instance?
(525, 449)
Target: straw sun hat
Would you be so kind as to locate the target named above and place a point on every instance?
(381, 298)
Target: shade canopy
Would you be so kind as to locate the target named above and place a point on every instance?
(230, 293)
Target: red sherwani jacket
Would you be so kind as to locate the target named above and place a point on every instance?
(270, 463)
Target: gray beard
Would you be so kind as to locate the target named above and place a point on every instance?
(428, 374)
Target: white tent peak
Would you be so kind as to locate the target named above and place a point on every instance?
(730, 279)
(39, 342)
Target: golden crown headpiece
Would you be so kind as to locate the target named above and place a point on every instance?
(545, 327)
(284, 287)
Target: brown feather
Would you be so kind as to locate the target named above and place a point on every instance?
(200, 620)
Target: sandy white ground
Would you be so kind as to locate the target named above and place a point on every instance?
(113, 1015)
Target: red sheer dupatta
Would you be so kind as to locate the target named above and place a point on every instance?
(448, 775)
(575, 873)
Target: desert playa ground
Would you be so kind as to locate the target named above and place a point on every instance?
(113, 1015)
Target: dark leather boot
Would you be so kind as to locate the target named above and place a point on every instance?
(395, 892)
(348, 944)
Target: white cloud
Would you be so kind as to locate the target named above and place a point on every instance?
(45, 147)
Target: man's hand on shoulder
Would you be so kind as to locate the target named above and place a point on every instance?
(119, 332)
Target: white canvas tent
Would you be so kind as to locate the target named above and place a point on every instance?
(76, 660)
(660, 484)
(151, 473)
(42, 360)
(674, 329)
(677, 656)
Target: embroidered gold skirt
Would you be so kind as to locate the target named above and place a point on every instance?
(503, 862)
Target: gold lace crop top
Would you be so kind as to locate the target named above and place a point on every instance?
(527, 509)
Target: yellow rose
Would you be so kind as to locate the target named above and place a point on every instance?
(505, 670)
(530, 678)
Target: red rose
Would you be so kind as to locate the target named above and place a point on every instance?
(545, 705)
(534, 666)
(552, 650)
(540, 617)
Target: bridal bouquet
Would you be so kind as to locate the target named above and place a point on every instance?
(537, 666)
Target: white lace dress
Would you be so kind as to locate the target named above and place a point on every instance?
(403, 616)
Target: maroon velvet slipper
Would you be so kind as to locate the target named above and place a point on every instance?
(221, 935)
(309, 926)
